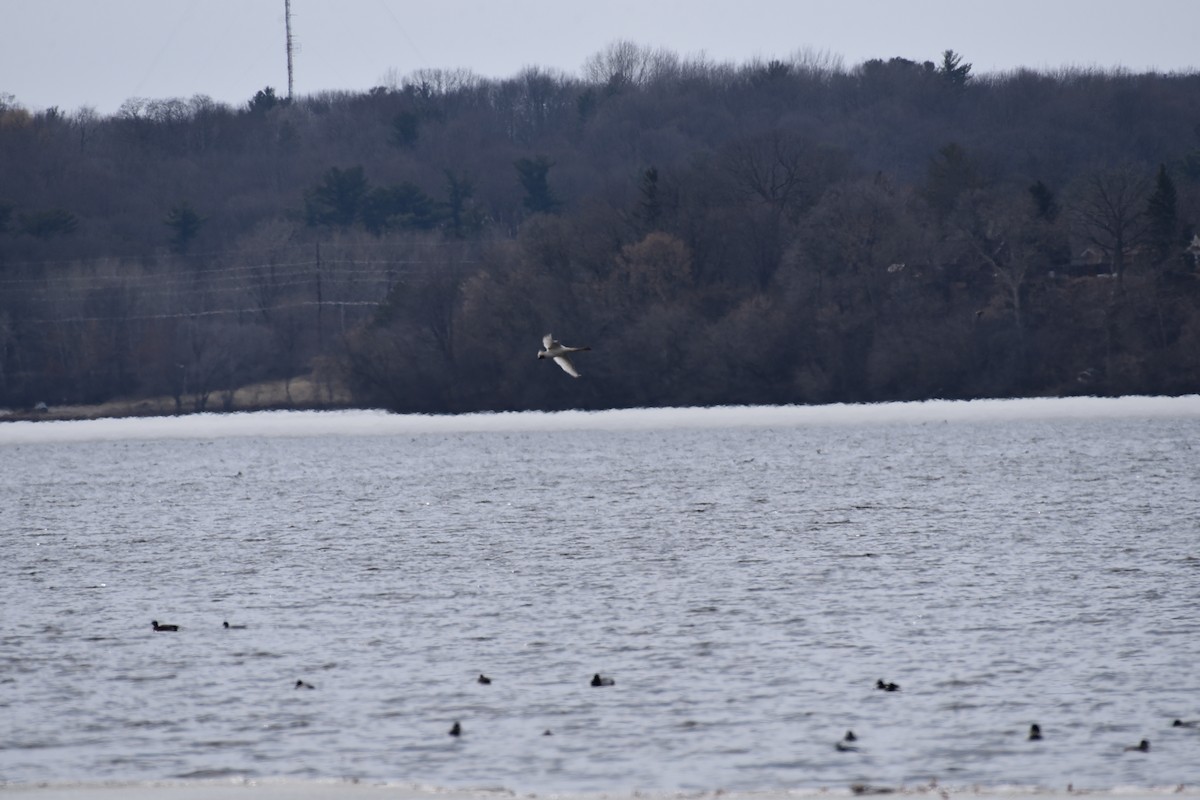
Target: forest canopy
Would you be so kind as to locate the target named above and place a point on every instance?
(783, 231)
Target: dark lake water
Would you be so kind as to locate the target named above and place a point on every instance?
(744, 575)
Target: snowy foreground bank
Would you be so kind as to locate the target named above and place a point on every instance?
(374, 423)
(338, 790)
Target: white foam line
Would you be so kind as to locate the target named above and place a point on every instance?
(369, 423)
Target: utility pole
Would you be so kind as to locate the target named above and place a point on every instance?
(320, 301)
(287, 23)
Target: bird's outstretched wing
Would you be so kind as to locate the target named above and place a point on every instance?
(548, 341)
(567, 366)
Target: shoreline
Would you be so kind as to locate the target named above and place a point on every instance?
(305, 395)
(380, 422)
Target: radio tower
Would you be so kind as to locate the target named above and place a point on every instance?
(287, 23)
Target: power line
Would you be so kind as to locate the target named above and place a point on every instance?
(178, 276)
(209, 313)
(260, 288)
(234, 254)
(59, 295)
(166, 44)
(403, 32)
(175, 276)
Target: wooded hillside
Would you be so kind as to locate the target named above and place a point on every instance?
(783, 232)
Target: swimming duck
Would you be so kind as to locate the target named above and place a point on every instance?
(154, 624)
(849, 737)
(866, 788)
(598, 681)
(303, 684)
(484, 679)
(1141, 747)
(1035, 732)
(887, 687)
(1181, 724)
(557, 351)
(456, 729)
(233, 627)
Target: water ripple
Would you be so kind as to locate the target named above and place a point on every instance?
(746, 588)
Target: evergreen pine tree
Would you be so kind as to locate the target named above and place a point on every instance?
(1162, 217)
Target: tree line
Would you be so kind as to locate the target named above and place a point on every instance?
(784, 231)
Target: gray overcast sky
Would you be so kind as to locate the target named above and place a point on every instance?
(98, 53)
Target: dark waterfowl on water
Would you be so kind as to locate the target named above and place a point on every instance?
(484, 679)
(1141, 747)
(887, 687)
(456, 729)
(233, 627)
(598, 681)
(1035, 732)
(303, 684)
(866, 788)
(154, 624)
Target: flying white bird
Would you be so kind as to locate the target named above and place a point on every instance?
(558, 352)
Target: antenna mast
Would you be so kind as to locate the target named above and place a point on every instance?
(287, 22)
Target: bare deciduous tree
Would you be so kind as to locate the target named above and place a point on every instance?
(628, 65)
(1111, 214)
